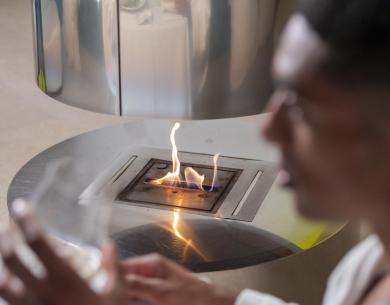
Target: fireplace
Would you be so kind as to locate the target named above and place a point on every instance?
(210, 185)
(242, 183)
(185, 226)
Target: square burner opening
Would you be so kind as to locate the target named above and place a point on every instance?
(141, 189)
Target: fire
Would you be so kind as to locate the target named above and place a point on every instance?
(172, 178)
(192, 179)
(215, 177)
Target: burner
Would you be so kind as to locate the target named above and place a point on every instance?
(141, 189)
(242, 183)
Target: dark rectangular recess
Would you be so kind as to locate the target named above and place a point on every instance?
(139, 192)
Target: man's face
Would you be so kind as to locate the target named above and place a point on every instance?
(332, 157)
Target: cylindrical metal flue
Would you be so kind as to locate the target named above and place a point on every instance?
(185, 59)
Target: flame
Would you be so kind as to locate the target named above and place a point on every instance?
(192, 177)
(215, 177)
(172, 178)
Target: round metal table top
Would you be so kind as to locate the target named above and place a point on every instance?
(275, 232)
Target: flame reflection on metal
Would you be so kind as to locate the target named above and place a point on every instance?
(176, 231)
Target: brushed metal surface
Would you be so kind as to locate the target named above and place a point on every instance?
(184, 59)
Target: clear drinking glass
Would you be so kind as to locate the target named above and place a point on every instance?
(75, 217)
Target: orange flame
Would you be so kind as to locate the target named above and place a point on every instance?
(192, 177)
(172, 178)
(215, 178)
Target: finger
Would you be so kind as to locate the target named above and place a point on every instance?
(15, 265)
(9, 296)
(146, 289)
(152, 265)
(55, 266)
(15, 298)
(110, 264)
(8, 292)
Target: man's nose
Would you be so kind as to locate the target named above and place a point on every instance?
(277, 127)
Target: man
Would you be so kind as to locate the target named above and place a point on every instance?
(331, 120)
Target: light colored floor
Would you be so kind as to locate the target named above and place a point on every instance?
(30, 121)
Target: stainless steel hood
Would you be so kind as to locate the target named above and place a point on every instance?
(184, 59)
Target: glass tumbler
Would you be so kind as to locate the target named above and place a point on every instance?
(76, 218)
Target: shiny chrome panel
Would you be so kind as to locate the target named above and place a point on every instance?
(77, 52)
(185, 59)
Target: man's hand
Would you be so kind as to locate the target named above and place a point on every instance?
(158, 281)
(150, 279)
(58, 284)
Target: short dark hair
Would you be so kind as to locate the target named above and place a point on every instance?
(357, 32)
